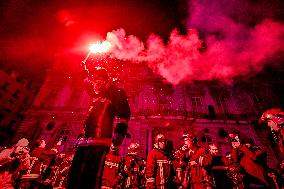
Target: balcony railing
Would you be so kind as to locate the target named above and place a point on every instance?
(196, 115)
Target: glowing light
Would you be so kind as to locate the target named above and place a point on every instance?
(100, 47)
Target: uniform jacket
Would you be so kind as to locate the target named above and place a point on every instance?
(248, 160)
(111, 170)
(112, 102)
(132, 170)
(198, 177)
(158, 170)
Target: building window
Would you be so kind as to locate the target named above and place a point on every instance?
(205, 140)
(257, 98)
(258, 102)
(50, 125)
(196, 103)
(62, 135)
(164, 104)
(33, 133)
(76, 95)
(49, 100)
(131, 100)
(222, 104)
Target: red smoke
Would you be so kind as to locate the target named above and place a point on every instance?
(173, 61)
(224, 59)
(237, 44)
(231, 57)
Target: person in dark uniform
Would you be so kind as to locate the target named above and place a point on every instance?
(108, 102)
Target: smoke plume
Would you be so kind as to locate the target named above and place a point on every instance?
(240, 36)
(174, 61)
(233, 47)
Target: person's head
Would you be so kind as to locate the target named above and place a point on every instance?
(188, 140)
(99, 79)
(274, 119)
(22, 147)
(213, 149)
(22, 142)
(41, 143)
(235, 139)
(59, 142)
(228, 155)
(160, 141)
(133, 148)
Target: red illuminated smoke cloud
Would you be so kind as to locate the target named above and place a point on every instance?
(174, 61)
(232, 48)
(237, 55)
(181, 60)
(235, 49)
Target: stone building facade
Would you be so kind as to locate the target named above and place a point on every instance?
(16, 95)
(205, 108)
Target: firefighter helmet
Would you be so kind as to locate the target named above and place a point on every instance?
(187, 136)
(133, 148)
(160, 138)
(177, 154)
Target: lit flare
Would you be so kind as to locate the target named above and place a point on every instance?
(100, 47)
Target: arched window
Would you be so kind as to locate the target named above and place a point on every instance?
(49, 99)
(222, 104)
(34, 132)
(75, 99)
(50, 125)
(62, 135)
(205, 140)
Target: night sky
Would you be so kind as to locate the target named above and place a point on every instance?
(33, 32)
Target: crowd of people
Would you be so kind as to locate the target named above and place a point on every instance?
(192, 166)
(33, 166)
(25, 166)
(201, 167)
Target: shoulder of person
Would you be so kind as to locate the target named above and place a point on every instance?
(200, 149)
(154, 152)
(6, 152)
